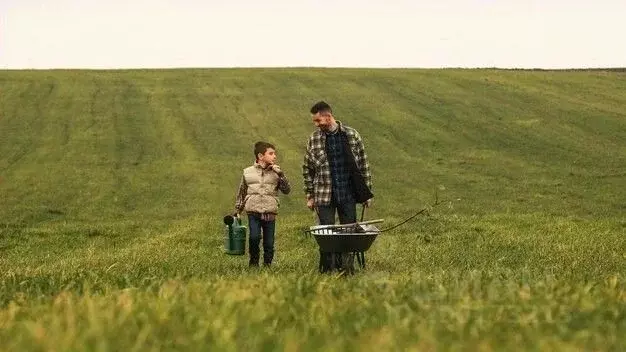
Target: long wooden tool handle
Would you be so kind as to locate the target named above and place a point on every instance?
(348, 225)
(368, 222)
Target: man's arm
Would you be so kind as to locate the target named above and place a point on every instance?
(362, 161)
(308, 172)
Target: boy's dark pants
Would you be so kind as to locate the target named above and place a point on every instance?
(347, 215)
(256, 224)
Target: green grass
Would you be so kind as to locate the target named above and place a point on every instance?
(113, 185)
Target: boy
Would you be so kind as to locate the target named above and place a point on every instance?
(258, 196)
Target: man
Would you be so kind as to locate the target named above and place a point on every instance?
(336, 174)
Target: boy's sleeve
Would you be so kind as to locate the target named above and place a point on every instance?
(283, 184)
(240, 200)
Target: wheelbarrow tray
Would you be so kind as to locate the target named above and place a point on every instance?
(335, 240)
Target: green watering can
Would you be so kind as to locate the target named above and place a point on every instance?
(235, 236)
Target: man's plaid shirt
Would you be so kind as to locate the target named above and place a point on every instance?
(340, 168)
(316, 168)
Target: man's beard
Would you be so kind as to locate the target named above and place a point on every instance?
(327, 128)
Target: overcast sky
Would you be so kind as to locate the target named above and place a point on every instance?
(323, 33)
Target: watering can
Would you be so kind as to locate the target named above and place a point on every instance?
(235, 236)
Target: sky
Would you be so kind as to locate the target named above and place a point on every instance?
(100, 34)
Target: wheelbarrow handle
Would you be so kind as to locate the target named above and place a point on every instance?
(319, 227)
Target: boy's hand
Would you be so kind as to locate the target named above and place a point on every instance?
(277, 169)
(310, 203)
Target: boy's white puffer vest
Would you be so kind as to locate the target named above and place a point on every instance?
(262, 195)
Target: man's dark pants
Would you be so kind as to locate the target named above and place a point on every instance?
(347, 215)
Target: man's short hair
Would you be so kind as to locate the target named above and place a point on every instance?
(262, 147)
(321, 107)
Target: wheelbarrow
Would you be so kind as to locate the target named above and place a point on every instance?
(354, 238)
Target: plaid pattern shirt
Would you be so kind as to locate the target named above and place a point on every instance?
(339, 169)
(316, 168)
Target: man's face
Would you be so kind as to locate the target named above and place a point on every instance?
(268, 158)
(323, 120)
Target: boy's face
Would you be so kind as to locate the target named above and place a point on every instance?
(268, 158)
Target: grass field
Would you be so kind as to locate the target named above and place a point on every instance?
(113, 185)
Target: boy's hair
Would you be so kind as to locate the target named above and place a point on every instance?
(321, 107)
(262, 147)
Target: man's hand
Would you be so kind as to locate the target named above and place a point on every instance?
(310, 203)
(368, 203)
